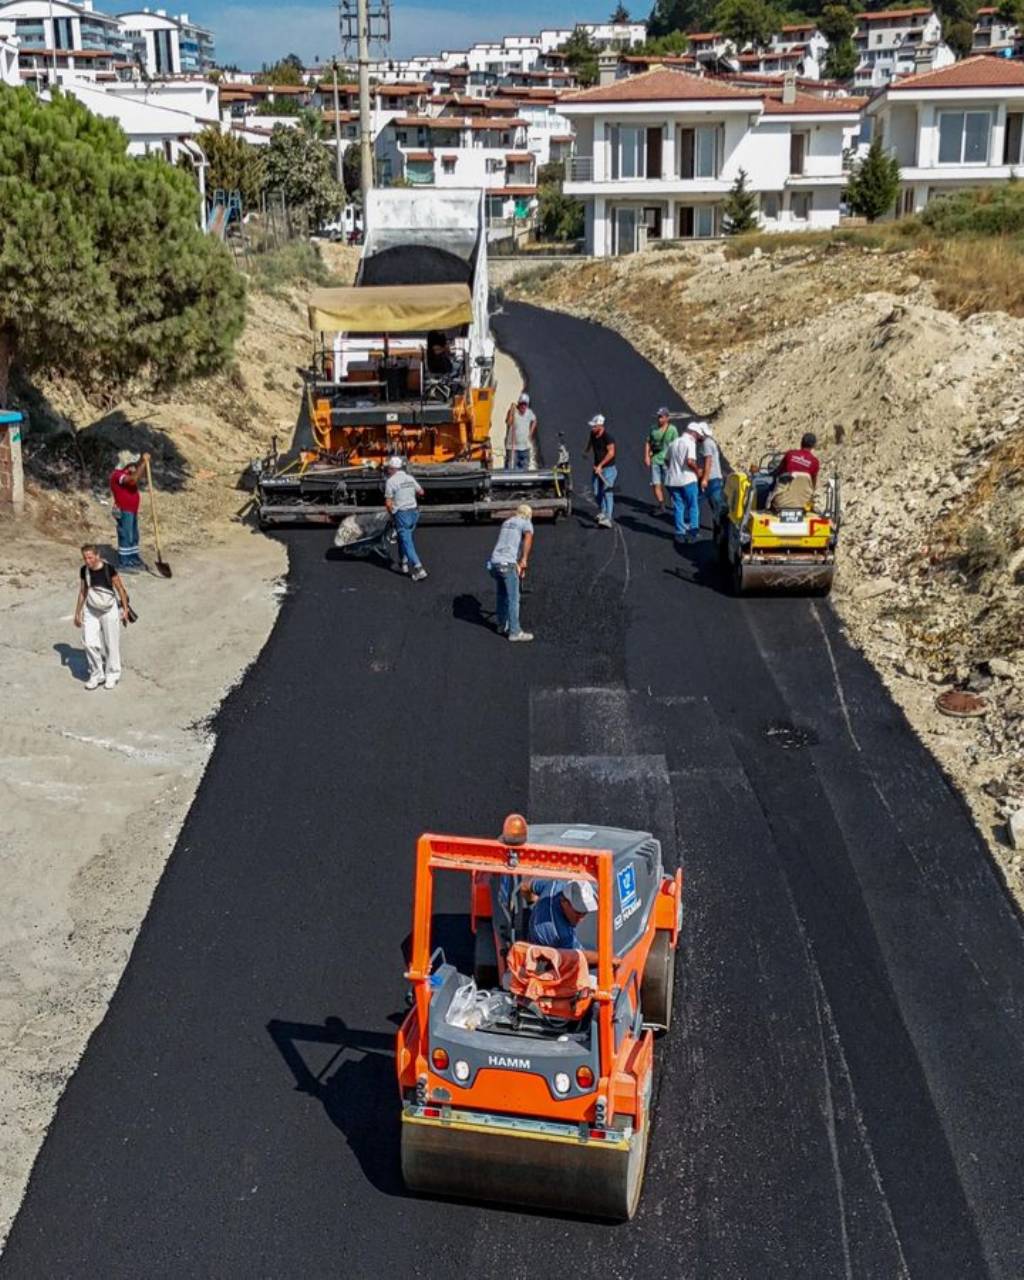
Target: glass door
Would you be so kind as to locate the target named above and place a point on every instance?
(625, 230)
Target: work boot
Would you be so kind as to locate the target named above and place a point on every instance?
(94, 682)
(521, 635)
(419, 573)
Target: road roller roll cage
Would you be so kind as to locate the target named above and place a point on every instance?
(485, 858)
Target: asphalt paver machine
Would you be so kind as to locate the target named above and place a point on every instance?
(404, 366)
(530, 1081)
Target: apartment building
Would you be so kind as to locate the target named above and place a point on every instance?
(485, 151)
(798, 48)
(993, 35)
(657, 153)
(59, 25)
(955, 128)
(9, 73)
(898, 42)
(167, 45)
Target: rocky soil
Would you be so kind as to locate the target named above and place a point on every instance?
(921, 414)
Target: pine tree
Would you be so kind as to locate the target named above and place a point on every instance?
(739, 209)
(105, 271)
(874, 184)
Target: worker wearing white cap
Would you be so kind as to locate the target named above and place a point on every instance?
(602, 446)
(521, 433)
(401, 491)
(709, 457)
(560, 906)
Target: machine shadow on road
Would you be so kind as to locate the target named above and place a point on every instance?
(357, 1092)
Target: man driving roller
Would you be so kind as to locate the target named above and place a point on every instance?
(559, 908)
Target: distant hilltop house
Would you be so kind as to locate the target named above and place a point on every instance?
(898, 42)
(58, 38)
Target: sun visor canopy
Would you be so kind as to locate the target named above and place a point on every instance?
(411, 308)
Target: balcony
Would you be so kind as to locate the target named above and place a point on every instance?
(579, 169)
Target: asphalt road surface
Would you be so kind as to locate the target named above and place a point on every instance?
(842, 1093)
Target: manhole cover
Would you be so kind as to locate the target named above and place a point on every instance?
(789, 736)
(959, 703)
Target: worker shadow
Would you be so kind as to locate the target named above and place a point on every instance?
(468, 608)
(698, 564)
(351, 1072)
(74, 659)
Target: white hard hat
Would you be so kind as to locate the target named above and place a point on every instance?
(581, 895)
(597, 420)
(395, 463)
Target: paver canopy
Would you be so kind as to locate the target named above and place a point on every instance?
(411, 308)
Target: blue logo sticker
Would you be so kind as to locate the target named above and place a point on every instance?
(627, 886)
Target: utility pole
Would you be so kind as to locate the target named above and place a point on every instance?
(338, 168)
(365, 131)
(362, 22)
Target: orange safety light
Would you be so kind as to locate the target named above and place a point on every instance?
(513, 829)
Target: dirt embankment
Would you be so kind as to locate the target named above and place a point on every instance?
(920, 411)
(95, 785)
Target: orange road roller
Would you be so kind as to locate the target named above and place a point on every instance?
(529, 1082)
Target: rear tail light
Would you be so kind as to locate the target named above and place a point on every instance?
(584, 1077)
(440, 1059)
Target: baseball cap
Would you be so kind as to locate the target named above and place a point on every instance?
(396, 463)
(698, 427)
(523, 399)
(597, 420)
(663, 412)
(581, 895)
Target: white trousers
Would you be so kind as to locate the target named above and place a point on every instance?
(102, 635)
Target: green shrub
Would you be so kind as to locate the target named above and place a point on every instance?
(991, 211)
(298, 263)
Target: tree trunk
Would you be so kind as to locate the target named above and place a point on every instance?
(6, 362)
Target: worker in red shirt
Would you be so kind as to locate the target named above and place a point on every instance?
(124, 488)
(796, 476)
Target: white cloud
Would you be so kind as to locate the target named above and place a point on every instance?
(249, 34)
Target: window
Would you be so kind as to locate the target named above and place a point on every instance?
(800, 206)
(771, 204)
(907, 202)
(797, 152)
(447, 164)
(494, 166)
(698, 221)
(698, 152)
(629, 151)
(963, 137)
(1012, 148)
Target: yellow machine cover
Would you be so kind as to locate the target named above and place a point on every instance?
(405, 308)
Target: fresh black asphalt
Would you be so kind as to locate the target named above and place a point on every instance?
(842, 1094)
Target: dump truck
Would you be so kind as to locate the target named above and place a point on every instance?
(530, 1080)
(403, 365)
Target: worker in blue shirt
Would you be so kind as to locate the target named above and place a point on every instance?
(560, 906)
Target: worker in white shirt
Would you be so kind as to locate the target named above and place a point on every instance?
(401, 491)
(683, 487)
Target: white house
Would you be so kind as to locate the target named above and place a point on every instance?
(992, 34)
(799, 48)
(656, 154)
(898, 42)
(167, 45)
(960, 127)
(489, 152)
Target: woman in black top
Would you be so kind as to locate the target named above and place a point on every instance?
(101, 610)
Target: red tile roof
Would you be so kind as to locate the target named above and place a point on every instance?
(704, 35)
(658, 85)
(810, 104)
(980, 72)
(883, 14)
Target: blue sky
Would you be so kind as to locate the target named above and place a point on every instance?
(250, 32)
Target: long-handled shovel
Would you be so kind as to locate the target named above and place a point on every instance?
(162, 566)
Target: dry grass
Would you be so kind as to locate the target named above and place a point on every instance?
(973, 275)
